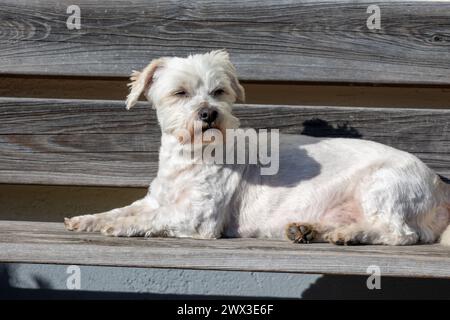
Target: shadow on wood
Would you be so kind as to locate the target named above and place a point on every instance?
(321, 128)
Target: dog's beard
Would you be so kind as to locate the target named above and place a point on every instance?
(195, 131)
(198, 131)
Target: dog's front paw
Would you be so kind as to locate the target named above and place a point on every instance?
(300, 232)
(81, 223)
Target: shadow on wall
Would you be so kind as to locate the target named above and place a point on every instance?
(7, 291)
(395, 288)
(326, 287)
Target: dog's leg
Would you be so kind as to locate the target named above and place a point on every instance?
(129, 226)
(394, 234)
(95, 222)
(353, 234)
(170, 221)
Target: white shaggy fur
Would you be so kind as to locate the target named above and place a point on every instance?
(348, 189)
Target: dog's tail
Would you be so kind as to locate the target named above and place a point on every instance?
(445, 237)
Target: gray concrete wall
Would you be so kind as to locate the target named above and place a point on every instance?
(50, 281)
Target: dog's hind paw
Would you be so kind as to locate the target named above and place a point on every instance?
(344, 238)
(300, 232)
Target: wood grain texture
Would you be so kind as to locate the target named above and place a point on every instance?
(39, 242)
(92, 142)
(294, 40)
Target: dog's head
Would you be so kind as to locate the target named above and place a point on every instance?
(199, 89)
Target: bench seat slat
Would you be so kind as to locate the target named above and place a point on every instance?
(300, 40)
(45, 242)
(93, 142)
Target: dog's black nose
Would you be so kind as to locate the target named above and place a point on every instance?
(208, 115)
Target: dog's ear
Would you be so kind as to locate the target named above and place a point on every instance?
(141, 81)
(230, 70)
(237, 87)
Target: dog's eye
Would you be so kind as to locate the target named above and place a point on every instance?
(180, 93)
(218, 92)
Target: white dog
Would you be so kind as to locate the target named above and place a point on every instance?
(345, 191)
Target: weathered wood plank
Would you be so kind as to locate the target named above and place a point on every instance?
(296, 40)
(38, 242)
(78, 143)
(127, 169)
(92, 142)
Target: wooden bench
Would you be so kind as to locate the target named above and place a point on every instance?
(99, 143)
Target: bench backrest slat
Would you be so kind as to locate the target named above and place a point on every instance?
(271, 40)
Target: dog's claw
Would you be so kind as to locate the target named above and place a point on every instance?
(300, 232)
